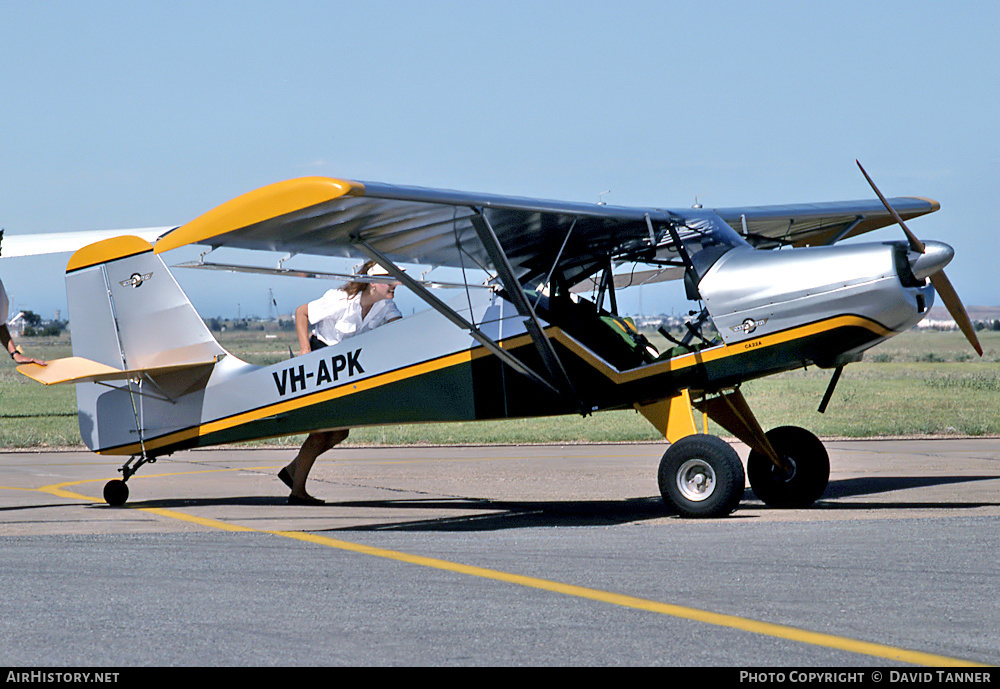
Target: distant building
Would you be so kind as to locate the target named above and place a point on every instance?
(929, 324)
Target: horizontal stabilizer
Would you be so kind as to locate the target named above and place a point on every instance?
(77, 369)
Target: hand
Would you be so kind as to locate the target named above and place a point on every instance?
(22, 359)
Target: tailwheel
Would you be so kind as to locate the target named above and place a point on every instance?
(802, 481)
(115, 492)
(701, 476)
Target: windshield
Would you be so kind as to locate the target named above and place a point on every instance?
(706, 237)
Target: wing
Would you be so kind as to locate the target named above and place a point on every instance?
(815, 224)
(322, 216)
(333, 217)
(14, 245)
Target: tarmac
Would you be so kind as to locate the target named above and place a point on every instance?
(533, 555)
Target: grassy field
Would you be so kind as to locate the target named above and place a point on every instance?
(915, 384)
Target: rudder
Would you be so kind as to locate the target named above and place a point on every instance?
(127, 311)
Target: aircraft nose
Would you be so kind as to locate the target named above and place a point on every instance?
(935, 257)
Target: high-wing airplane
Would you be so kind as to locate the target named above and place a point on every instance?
(778, 288)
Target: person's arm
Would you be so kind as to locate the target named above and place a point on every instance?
(392, 312)
(8, 344)
(302, 328)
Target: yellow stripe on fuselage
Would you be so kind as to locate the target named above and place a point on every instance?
(286, 406)
(717, 352)
(671, 365)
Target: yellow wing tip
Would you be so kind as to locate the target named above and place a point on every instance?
(262, 204)
(935, 206)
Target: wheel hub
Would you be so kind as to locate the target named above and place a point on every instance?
(696, 480)
(787, 472)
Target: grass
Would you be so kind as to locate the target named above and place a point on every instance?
(918, 383)
(914, 384)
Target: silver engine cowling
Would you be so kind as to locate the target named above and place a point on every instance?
(750, 293)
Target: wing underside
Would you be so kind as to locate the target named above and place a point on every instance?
(817, 224)
(329, 217)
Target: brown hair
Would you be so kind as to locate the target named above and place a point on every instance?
(354, 287)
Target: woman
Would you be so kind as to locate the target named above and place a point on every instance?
(341, 313)
(6, 341)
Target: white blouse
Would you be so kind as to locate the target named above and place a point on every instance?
(335, 316)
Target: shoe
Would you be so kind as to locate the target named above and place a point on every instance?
(285, 477)
(307, 500)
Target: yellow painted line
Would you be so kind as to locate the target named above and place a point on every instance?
(58, 490)
(778, 631)
(678, 611)
(201, 521)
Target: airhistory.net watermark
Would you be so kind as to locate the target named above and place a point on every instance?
(57, 677)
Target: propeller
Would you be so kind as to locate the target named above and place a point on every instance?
(940, 281)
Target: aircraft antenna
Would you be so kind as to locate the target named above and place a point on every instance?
(600, 198)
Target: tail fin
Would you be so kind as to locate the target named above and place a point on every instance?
(128, 312)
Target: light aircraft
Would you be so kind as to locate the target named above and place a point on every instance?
(774, 281)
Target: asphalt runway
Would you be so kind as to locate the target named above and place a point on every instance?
(497, 556)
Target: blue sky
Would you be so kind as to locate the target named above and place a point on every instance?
(138, 114)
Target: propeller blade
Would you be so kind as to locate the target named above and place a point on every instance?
(940, 281)
(950, 298)
(915, 243)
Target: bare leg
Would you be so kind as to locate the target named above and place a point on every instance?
(315, 445)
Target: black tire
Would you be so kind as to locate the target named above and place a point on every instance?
(115, 492)
(701, 476)
(809, 475)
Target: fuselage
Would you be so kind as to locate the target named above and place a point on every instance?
(774, 310)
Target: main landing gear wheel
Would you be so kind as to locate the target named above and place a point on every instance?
(805, 479)
(701, 476)
(115, 492)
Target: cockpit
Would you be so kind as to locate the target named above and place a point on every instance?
(687, 251)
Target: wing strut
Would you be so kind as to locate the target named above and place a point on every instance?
(451, 314)
(607, 285)
(516, 295)
(846, 231)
